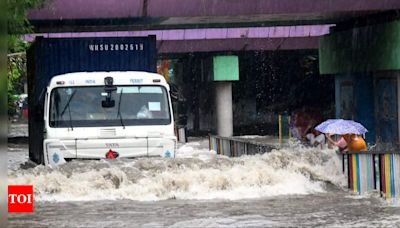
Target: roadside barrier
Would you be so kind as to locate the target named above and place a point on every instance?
(235, 147)
(373, 170)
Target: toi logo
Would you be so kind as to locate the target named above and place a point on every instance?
(20, 198)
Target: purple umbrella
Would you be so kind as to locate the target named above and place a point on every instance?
(341, 127)
(326, 123)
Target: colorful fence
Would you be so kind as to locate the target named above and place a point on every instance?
(235, 147)
(368, 171)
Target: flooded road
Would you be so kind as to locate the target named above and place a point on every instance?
(332, 209)
(293, 186)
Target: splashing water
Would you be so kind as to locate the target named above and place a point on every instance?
(194, 174)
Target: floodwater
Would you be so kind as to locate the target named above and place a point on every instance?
(293, 186)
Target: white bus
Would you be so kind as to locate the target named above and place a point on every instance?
(94, 115)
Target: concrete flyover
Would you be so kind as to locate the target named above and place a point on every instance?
(127, 15)
(183, 26)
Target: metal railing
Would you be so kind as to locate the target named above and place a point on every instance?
(373, 170)
(235, 147)
(366, 171)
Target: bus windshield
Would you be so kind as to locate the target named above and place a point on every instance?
(84, 106)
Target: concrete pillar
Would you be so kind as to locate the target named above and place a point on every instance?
(223, 103)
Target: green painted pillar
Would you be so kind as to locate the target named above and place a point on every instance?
(225, 70)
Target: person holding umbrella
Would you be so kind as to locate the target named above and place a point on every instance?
(342, 143)
(350, 132)
(348, 142)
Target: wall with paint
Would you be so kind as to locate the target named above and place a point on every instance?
(361, 49)
(354, 98)
(365, 62)
(386, 109)
(364, 111)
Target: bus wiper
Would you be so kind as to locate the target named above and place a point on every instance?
(70, 118)
(119, 108)
(69, 110)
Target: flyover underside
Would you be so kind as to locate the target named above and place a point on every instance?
(151, 23)
(60, 9)
(113, 15)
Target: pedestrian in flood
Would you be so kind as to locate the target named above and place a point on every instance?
(342, 143)
(357, 143)
(316, 138)
(348, 142)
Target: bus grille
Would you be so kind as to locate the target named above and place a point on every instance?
(109, 132)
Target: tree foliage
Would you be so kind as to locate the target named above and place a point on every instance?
(17, 25)
(17, 12)
(16, 79)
